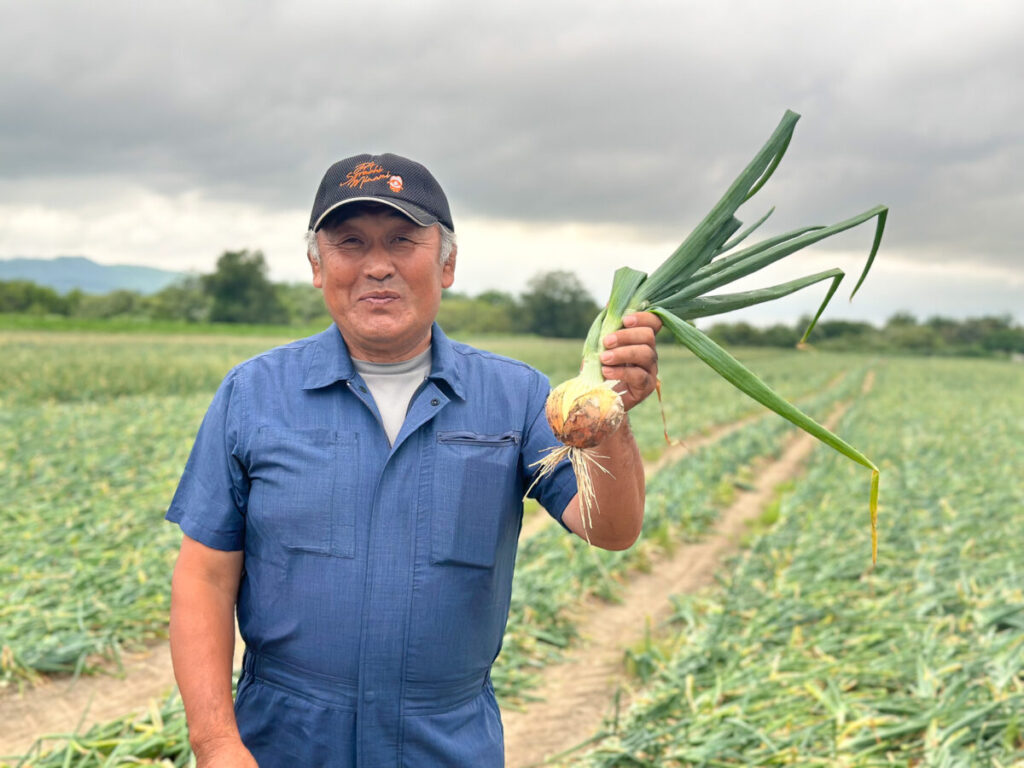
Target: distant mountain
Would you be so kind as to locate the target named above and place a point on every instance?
(65, 273)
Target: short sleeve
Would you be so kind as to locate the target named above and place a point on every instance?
(210, 502)
(555, 490)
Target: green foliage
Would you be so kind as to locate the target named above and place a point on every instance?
(303, 303)
(737, 335)
(462, 314)
(498, 299)
(85, 561)
(142, 326)
(649, 655)
(241, 292)
(832, 329)
(27, 297)
(156, 736)
(91, 367)
(556, 304)
(902, 333)
(121, 303)
(184, 300)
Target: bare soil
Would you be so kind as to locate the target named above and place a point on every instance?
(56, 706)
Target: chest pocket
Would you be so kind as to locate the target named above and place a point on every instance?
(301, 492)
(476, 496)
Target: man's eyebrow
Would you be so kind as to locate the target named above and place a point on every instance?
(414, 227)
(337, 231)
(401, 225)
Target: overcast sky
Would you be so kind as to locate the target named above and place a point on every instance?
(581, 136)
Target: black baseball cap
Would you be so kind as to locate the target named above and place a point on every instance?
(389, 179)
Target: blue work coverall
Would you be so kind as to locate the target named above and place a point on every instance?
(377, 578)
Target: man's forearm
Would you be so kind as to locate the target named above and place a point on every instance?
(631, 362)
(620, 492)
(202, 635)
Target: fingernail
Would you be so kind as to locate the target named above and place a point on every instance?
(606, 357)
(629, 321)
(610, 340)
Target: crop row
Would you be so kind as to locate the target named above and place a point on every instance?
(86, 559)
(807, 656)
(72, 368)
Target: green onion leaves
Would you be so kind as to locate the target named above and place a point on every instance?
(706, 260)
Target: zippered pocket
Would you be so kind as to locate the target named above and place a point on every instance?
(474, 438)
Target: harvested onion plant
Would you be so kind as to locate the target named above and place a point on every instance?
(584, 410)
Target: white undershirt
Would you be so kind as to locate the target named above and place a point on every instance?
(392, 386)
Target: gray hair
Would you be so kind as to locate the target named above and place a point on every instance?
(448, 244)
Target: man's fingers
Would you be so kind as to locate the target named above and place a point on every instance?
(633, 378)
(637, 319)
(631, 358)
(634, 354)
(634, 384)
(626, 337)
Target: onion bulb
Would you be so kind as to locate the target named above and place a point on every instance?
(582, 414)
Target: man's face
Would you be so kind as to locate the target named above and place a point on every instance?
(381, 278)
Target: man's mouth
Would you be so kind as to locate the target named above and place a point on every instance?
(379, 298)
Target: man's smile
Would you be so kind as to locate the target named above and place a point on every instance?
(379, 298)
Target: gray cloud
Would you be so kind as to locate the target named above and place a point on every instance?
(635, 113)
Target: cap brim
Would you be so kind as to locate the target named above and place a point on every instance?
(414, 212)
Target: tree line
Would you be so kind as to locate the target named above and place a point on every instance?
(902, 333)
(554, 304)
(237, 291)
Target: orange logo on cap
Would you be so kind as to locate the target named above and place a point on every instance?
(364, 173)
(395, 183)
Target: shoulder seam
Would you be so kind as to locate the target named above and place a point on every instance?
(298, 344)
(466, 351)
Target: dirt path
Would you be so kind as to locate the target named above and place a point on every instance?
(576, 695)
(56, 706)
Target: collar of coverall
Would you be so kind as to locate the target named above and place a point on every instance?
(328, 361)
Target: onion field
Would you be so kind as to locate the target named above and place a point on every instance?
(806, 657)
(801, 655)
(92, 445)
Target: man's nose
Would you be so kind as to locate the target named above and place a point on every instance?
(378, 263)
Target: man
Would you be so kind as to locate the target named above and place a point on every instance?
(357, 495)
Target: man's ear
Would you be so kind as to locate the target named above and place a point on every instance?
(318, 280)
(448, 269)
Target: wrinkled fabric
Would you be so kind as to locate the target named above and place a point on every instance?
(377, 580)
